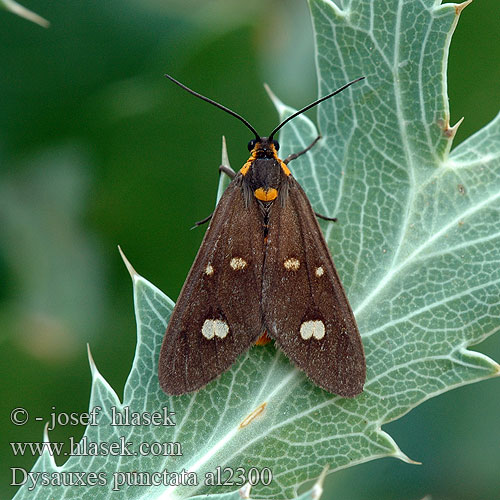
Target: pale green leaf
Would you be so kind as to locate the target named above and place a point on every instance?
(417, 246)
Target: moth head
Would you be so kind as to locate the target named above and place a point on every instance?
(264, 143)
(265, 147)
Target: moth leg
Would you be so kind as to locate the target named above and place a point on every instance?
(228, 171)
(203, 221)
(231, 174)
(324, 217)
(293, 156)
(296, 155)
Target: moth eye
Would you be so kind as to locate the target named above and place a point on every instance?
(276, 145)
(252, 144)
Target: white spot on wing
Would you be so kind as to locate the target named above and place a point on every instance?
(291, 264)
(214, 328)
(319, 271)
(313, 328)
(237, 263)
(209, 270)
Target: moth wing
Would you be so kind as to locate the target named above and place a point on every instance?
(218, 312)
(305, 306)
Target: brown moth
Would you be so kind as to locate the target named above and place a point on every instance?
(263, 268)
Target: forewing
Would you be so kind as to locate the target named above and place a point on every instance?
(218, 312)
(305, 307)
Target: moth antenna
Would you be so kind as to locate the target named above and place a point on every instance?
(309, 106)
(216, 104)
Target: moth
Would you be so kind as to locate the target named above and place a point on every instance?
(263, 270)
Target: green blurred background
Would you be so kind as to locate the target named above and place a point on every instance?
(98, 149)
